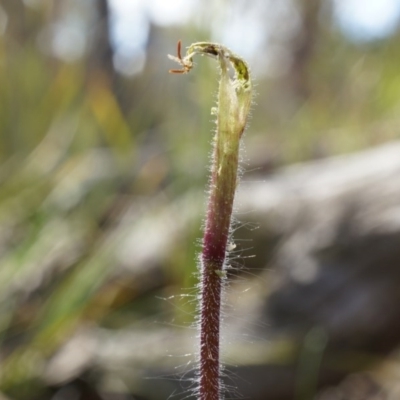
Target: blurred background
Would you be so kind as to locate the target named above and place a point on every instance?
(103, 169)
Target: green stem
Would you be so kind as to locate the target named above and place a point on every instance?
(234, 99)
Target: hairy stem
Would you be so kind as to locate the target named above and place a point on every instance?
(234, 99)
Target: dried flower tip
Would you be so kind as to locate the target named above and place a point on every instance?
(186, 62)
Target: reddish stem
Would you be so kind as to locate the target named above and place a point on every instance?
(216, 235)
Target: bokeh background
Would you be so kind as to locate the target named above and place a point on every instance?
(103, 165)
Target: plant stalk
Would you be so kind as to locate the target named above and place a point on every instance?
(234, 99)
